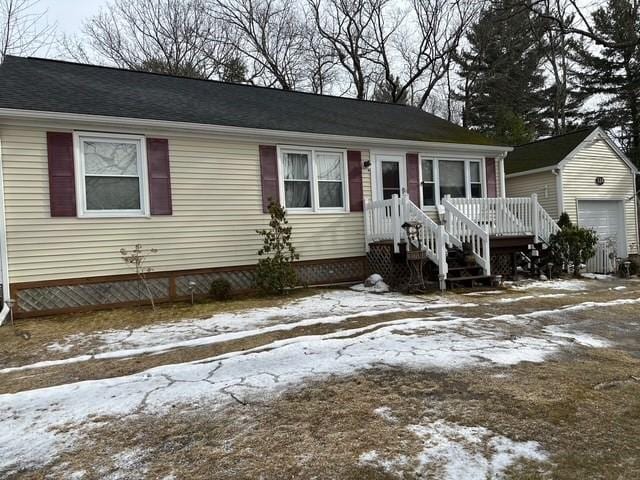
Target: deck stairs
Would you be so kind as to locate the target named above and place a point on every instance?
(458, 239)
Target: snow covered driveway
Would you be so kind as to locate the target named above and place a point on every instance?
(392, 331)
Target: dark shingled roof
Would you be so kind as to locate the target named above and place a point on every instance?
(544, 153)
(56, 86)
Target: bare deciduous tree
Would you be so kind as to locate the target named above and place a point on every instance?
(271, 35)
(23, 28)
(178, 37)
(415, 48)
(346, 26)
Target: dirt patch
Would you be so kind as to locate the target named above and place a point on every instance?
(322, 429)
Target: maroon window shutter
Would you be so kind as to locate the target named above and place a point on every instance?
(413, 178)
(62, 180)
(354, 165)
(492, 187)
(269, 175)
(159, 176)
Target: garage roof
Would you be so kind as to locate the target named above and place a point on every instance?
(544, 153)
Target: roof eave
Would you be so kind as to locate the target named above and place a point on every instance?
(245, 131)
(532, 171)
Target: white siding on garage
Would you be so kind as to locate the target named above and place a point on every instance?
(542, 184)
(216, 210)
(598, 159)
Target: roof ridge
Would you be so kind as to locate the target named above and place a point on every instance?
(573, 132)
(182, 77)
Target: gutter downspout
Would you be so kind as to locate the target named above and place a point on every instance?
(559, 193)
(4, 258)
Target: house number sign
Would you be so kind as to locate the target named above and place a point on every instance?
(599, 180)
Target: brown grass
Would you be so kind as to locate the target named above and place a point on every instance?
(584, 409)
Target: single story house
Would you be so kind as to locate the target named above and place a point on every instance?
(584, 174)
(96, 159)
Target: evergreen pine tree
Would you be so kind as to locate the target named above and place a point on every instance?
(612, 73)
(503, 81)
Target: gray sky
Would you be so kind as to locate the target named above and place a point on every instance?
(68, 14)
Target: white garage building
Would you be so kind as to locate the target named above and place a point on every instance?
(586, 175)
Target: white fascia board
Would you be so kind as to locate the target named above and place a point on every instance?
(530, 172)
(254, 133)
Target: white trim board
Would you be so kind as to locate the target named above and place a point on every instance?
(279, 136)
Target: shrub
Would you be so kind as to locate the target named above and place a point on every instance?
(220, 289)
(136, 258)
(275, 272)
(564, 221)
(572, 244)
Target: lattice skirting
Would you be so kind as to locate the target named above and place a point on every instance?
(383, 261)
(502, 264)
(45, 298)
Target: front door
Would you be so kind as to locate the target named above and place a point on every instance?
(391, 177)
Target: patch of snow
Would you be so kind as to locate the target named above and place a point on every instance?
(484, 292)
(598, 276)
(336, 304)
(579, 338)
(161, 337)
(128, 465)
(77, 475)
(530, 297)
(372, 280)
(621, 287)
(568, 284)
(459, 452)
(379, 287)
(393, 466)
(386, 413)
(31, 421)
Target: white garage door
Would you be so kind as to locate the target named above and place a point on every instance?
(606, 218)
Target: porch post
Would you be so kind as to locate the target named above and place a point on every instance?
(395, 222)
(367, 224)
(535, 220)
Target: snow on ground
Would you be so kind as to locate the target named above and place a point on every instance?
(35, 425)
(455, 451)
(562, 284)
(220, 328)
(336, 303)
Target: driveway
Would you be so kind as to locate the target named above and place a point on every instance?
(537, 380)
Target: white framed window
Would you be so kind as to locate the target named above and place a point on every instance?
(458, 177)
(313, 179)
(111, 175)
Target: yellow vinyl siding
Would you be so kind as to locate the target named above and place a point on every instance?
(542, 184)
(578, 181)
(216, 194)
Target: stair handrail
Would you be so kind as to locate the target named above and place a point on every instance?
(461, 229)
(546, 225)
(433, 237)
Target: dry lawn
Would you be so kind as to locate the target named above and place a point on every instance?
(584, 408)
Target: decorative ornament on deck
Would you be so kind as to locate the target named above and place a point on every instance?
(416, 256)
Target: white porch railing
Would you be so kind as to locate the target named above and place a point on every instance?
(463, 230)
(508, 216)
(384, 220)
